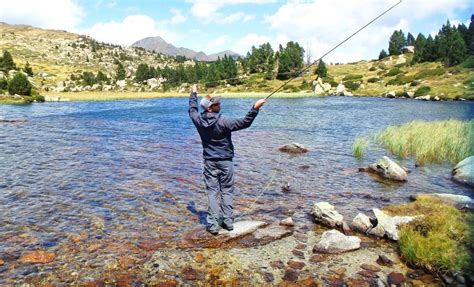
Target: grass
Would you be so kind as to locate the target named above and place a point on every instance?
(438, 141)
(438, 240)
(359, 146)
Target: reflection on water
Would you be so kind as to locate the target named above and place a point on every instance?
(126, 171)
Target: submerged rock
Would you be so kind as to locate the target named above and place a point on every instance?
(287, 222)
(38, 257)
(388, 169)
(333, 241)
(293, 148)
(463, 172)
(325, 213)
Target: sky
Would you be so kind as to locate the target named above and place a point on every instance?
(212, 26)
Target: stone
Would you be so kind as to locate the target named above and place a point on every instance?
(377, 231)
(167, 283)
(291, 275)
(340, 270)
(325, 213)
(287, 222)
(367, 274)
(199, 257)
(2, 262)
(361, 223)
(399, 220)
(298, 253)
(396, 279)
(333, 241)
(293, 148)
(384, 261)
(423, 98)
(390, 95)
(149, 244)
(296, 264)
(340, 89)
(319, 90)
(386, 222)
(301, 246)
(463, 172)
(317, 258)
(277, 264)
(39, 256)
(346, 229)
(347, 93)
(370, 267)
(268, 277)
(388, 169)
(189, 273)
(272, 232)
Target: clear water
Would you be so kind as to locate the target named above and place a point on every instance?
(125, 171)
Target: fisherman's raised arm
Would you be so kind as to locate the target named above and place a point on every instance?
(193, 106)
(245, 122)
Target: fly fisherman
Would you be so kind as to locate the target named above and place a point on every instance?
(218, 151)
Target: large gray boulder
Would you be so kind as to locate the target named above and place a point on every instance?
(386, 222)
(333, 241)
(463, 172)
(361, 223)
(325, 214)
(388, 169)
(460, 201)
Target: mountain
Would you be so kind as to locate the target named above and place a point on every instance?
(159, 45)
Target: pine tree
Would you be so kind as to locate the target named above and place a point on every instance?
(88, 78)
(291, 60)
(470, 36)
(382, 54)
(420, 43)
(142, 73)
(322, 70)
(7, 63)
(410, 40)
(28, 70)
(120, 71)
(429, 53)
(19, 85)
(396, 43)
(101, 78)
(450, 45)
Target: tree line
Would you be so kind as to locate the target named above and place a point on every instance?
(451, 45)
(19, 83)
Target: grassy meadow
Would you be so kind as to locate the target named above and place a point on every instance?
(438, 141)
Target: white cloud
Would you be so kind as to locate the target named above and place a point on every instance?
(220, 42)
(208, 10)
(324, 24)
(49, 14)
(244, 44)
(131, 29)
(178, 16)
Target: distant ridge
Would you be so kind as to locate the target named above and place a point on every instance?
(159, 45)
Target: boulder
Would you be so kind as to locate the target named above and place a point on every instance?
(410, 94)
(386, 222)
(325, 213)
(340, 89)
(436, 98)
(319, 90)
(424, 98)
(347, 93)
(388, 169)
(460, 201)
(390, 95)
(122, 83)
(333, 241)
(287, 222)
(293, 148)
(463, 172)
(361, 223)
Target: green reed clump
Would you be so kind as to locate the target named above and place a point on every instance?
(439, 141)
(437, 240)
(359, 146)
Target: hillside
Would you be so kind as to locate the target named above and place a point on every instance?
(60, 60)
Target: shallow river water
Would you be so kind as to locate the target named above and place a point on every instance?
(90, 181)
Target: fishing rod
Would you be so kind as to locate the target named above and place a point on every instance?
(345, 40)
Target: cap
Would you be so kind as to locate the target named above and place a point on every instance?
(207, 101)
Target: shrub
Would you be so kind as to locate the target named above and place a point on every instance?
(468, 63)
(373, 80)
(3, 84)
(19, 85)
(352, 77)
(352, 85)
(400, 65)
(330, 81)
(372, 68)
(430, 73)
(422, 91)
(401, 80)
(393, 72)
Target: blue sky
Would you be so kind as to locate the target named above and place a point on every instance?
(213, 26)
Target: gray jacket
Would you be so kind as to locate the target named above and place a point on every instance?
(216, 130)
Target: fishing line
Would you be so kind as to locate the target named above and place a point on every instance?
(245, 212)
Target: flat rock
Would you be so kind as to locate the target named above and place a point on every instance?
(272, 232)
(388, 169)
(38, 257)
(333, 241)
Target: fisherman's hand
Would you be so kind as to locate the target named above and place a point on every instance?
(260, 103)
(194, 88)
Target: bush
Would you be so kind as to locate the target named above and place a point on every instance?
(468, 63)
(352, 85)
(372, 68)
(19, 85)
(401, 80)
(352, 77)
(330, 81)
(393, 72)
(422, 91)
(373, 80)
(3, 84)
(430, 73)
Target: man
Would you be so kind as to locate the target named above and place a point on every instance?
(218, 151)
